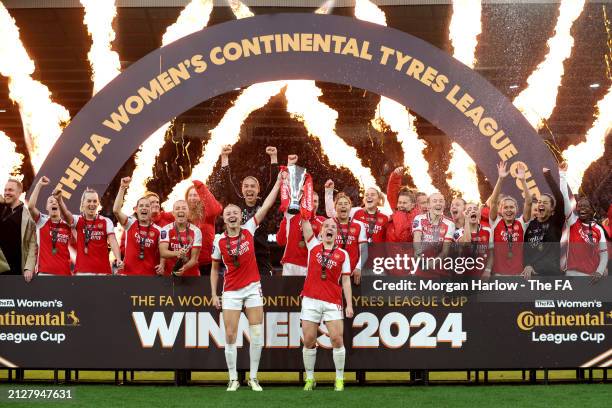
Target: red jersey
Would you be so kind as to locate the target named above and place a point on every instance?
(587, 242)
(337, 263)
(190, 238)
(212, 209)
(163, 218)
(54, 262)
(92, 244)
(349, 238)
(140, 241)
(238, 256)
(292, 238)
(508, 252)
(435, 234)
(432, 240)
(399, 228)
(478, 248)
(375, 224)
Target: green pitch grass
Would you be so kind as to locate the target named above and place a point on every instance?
(569, 395)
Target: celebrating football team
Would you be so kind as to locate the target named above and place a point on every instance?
(553, 234)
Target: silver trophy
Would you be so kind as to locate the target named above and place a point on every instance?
(297, 175)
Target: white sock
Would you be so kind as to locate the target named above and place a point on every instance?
(257, 342)
(310, 358)
(231, 355)
(339, 357)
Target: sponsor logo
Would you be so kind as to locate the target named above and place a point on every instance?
(528, 320)
(7, 303)
(544, 303)
(61, 318)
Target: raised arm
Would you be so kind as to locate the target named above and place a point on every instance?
(42, 182)
(307, 230)
(273, 171)
(559, 214)
(121, 216)
(393, 187)
(493, 201)
(330, 211)
(230, 193)
(212, 206)
(66, 214)
(268, 202)
(520, 173)
(568, 208)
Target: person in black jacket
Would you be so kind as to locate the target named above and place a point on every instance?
(249, 201)
(542, 254)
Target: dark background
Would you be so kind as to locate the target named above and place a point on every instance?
(511, 45)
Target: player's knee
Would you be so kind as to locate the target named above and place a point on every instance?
(310, 339)
(336, 341)
(256, 333)
(230, 337)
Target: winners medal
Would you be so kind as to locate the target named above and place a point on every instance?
(509, 255)
(87, 232)
(180, 261)
(142, 241)
(325, 260)
(54, 232)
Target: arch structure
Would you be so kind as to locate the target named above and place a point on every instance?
(221, 58)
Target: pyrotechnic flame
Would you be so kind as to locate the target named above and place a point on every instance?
(193, 17)
(462, 174)
(304, 105)
(11, 160)
(105, 64)
(397, 117)
(320, 121)
(538, 100)
(464, 28)
(43, 120)
(240, 9)
(326, 7)
(579, 157)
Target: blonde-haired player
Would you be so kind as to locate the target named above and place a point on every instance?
(241, 285)
(329, 274)
(93, 232)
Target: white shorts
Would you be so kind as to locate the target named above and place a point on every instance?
(249, 296)
(316, 311)
(294, 270)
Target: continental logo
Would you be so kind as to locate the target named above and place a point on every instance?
(529, 320)
(60, 318)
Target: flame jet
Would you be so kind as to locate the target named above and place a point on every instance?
(464, 29)
(43, 120)
(193, 17)
(397, 117)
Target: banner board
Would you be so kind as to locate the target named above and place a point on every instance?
(400, 323)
